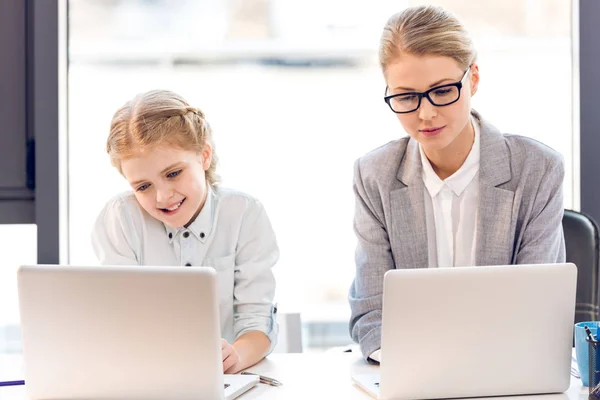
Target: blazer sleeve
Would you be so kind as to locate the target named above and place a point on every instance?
(543, 239)
(373, 258)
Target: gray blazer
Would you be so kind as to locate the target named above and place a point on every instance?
(519, 219)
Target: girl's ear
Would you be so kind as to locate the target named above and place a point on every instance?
(474, 78)
(206, 154)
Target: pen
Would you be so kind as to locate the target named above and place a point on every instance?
(264, 379)
(11, 383)
(589, 334)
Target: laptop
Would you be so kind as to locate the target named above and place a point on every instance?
(475, 332)
(123, 332)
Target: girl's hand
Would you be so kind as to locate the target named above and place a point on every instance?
(230, 356)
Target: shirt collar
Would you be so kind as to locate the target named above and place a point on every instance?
(458, 181)
(202, 225)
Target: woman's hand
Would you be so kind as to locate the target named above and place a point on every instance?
(230, 356)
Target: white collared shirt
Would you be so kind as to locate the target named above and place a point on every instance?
(232, 234)
(451, 210)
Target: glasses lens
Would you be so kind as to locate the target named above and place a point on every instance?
(444, 95)
(404, 103)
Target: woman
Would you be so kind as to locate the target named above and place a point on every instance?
(456, 191)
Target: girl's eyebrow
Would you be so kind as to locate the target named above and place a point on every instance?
(170, 166)
(162, 172)
(137, 182)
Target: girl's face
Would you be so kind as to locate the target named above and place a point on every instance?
(168, 182)
(435, 127)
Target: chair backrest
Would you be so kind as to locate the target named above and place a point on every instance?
(583, 250)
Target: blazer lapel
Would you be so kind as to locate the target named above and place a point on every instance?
(409, 234)
(494, 219)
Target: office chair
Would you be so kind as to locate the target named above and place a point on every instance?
(583, 249)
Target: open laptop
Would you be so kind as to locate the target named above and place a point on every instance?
(475, 332)
(123, 332)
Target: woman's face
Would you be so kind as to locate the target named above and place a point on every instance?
(435, 127)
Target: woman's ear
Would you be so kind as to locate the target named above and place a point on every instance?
(206, 154)
(474, 78)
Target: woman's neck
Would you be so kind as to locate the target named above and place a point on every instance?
(448, 160)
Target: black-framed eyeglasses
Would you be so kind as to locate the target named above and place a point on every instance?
(439, 96)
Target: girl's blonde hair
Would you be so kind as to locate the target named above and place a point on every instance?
(425, 30)
(159, 117)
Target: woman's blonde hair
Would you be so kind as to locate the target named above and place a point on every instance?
(425, 30)
(159, 117)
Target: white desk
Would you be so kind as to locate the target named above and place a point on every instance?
(318, 376)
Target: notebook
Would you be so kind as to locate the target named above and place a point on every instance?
(127, 332)
(475, 331)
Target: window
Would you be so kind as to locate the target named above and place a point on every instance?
(308, 103)
(19, 248)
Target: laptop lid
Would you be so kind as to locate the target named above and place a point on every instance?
(127, 332)
(477, 331)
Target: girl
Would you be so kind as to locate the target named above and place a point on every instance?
(176, 215)
(456, 191)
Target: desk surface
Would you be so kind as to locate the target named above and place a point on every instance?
(322, 376)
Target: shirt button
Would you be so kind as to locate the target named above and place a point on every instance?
(170, 236)
(201, 235)
(186, 234)
(188, 264)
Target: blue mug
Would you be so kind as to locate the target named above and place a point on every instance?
(582, 349)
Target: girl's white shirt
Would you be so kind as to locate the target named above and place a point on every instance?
(232, 234)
